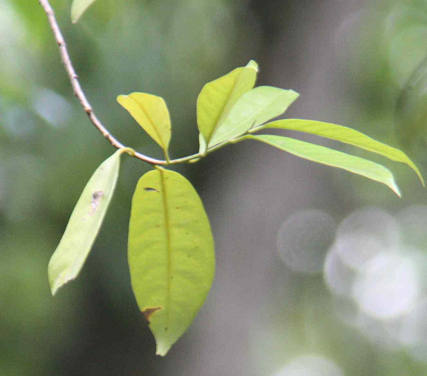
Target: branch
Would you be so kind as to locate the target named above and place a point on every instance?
(79, 93)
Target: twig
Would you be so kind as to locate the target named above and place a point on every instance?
(79, 93)
(81, 96)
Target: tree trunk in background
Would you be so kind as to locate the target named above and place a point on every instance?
(249, 199)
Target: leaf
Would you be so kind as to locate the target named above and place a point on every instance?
(346, 135)
(84, 224)
(330, 157)
(202, 145)
(252, 109)
(151, 113)
(78, 7)
(218, 97)
(171, 254)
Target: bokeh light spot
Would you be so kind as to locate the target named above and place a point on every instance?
(304, 239)
(310, 365)
(388, 287)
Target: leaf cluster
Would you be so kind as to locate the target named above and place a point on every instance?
(170, 247)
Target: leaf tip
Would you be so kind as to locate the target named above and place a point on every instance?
(395, 189)
(420, 176)
(78, 8)
(414, 167)
(56, 283)
(162, 348)
(75, 16)
(295, 93)
(120, 98)
(254, 65)
(52, 289)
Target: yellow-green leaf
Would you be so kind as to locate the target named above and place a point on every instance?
(202, 145)
(346, 135)
(78, 7)
(84, 224)
(218, 97)
(330, 157)
(171, 254)
(252, 109)
(151, 113)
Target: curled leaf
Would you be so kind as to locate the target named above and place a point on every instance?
(348, 136)
(330, 157)
(252, 109)
(218, 97)
(84, 224)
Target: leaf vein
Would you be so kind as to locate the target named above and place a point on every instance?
(168, 246)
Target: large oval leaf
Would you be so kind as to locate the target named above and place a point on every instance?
(84, 224)
(78, 7)
(330, 157)
(346, 135)
(171, 254)
(218, 97)
(152, 114)
(252, 109)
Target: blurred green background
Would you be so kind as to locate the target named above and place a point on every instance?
(319, 273)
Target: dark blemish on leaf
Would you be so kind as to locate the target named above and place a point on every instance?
(96, 198)
(150, 189)
(148, 312)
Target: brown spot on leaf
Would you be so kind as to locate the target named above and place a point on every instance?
(150, 189)
(148, 312)
(96, 198)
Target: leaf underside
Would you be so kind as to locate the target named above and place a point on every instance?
(218, 97)
(346, 135)
(330, 157)
(170, 253)
(84, 224)
(252, 109)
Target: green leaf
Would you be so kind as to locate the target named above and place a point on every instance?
(78, 7)
(330, 157)
(202, 145)
(151, 113)
(252, 109)
(84, 224)
(346, 135)
(171, 254)
(218, 97)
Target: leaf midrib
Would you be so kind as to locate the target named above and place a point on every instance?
(255, 116)
(147, 114)
(168, 246)
(221, 113)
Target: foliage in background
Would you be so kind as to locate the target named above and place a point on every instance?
(32, 136)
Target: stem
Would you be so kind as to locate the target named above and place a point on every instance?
(197, 156)
(77, 89)
(81, 96)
